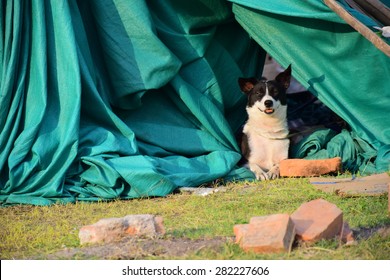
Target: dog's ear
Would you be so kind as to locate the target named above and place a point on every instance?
(284, 77)
(247, 84)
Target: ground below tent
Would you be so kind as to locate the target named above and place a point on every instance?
(171, 248)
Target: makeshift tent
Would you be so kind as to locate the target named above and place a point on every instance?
(123, 99)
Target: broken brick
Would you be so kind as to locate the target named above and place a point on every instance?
(317, 219)
(309, 167)
(240, 231)
(112, 229)
(267, 234)
(347, 236)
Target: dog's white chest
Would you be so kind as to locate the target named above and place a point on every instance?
(266, 152)
(267, 137)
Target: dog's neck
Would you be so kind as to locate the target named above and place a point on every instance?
(269, 126)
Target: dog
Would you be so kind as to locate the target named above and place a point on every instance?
(265, 139)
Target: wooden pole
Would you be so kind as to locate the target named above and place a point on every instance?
(358, 26)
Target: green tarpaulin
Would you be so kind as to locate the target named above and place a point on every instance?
(124, 99)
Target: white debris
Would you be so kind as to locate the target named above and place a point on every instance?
(201, 191)
(385, 30)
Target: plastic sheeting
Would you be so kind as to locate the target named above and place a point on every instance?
(123, 99)
(118, 99)
(339, 66)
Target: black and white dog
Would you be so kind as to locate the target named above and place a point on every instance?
(265, 136)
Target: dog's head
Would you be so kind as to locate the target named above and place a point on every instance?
(267, 96)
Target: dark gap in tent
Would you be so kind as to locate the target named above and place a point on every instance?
(306, 113)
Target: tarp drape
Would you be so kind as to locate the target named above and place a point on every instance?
(338, 65)
(124, 99)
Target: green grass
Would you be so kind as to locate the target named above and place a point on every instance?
(28, 231)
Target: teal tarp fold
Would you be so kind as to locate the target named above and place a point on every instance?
(123, 99)
(118, 99)
(338, 65)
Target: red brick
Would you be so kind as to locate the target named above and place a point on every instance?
(240, 231)
(347, 236)
(309, 168)
(143, 225)
(317, 219)
(105, 230)
(269, 234)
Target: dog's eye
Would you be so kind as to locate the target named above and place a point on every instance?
(259, 93)
(273, 92)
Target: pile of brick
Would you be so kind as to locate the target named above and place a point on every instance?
(312, 221)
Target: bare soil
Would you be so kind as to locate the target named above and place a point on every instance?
(133, 248)
(170, 248)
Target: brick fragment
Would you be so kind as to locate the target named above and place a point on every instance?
(240, 231)
(267, 234)
(309, 168)
(112, 229)
(159, 225)
(347, 236)
(143, 225)
(317, 219)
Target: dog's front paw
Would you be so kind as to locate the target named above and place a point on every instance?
(274, 172)
(259, 173)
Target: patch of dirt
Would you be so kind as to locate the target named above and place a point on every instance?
(365, 233)
(133, 248)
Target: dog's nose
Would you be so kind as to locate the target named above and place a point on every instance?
(268, 103)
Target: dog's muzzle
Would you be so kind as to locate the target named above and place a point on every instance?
(269, 107)
(267, 111)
